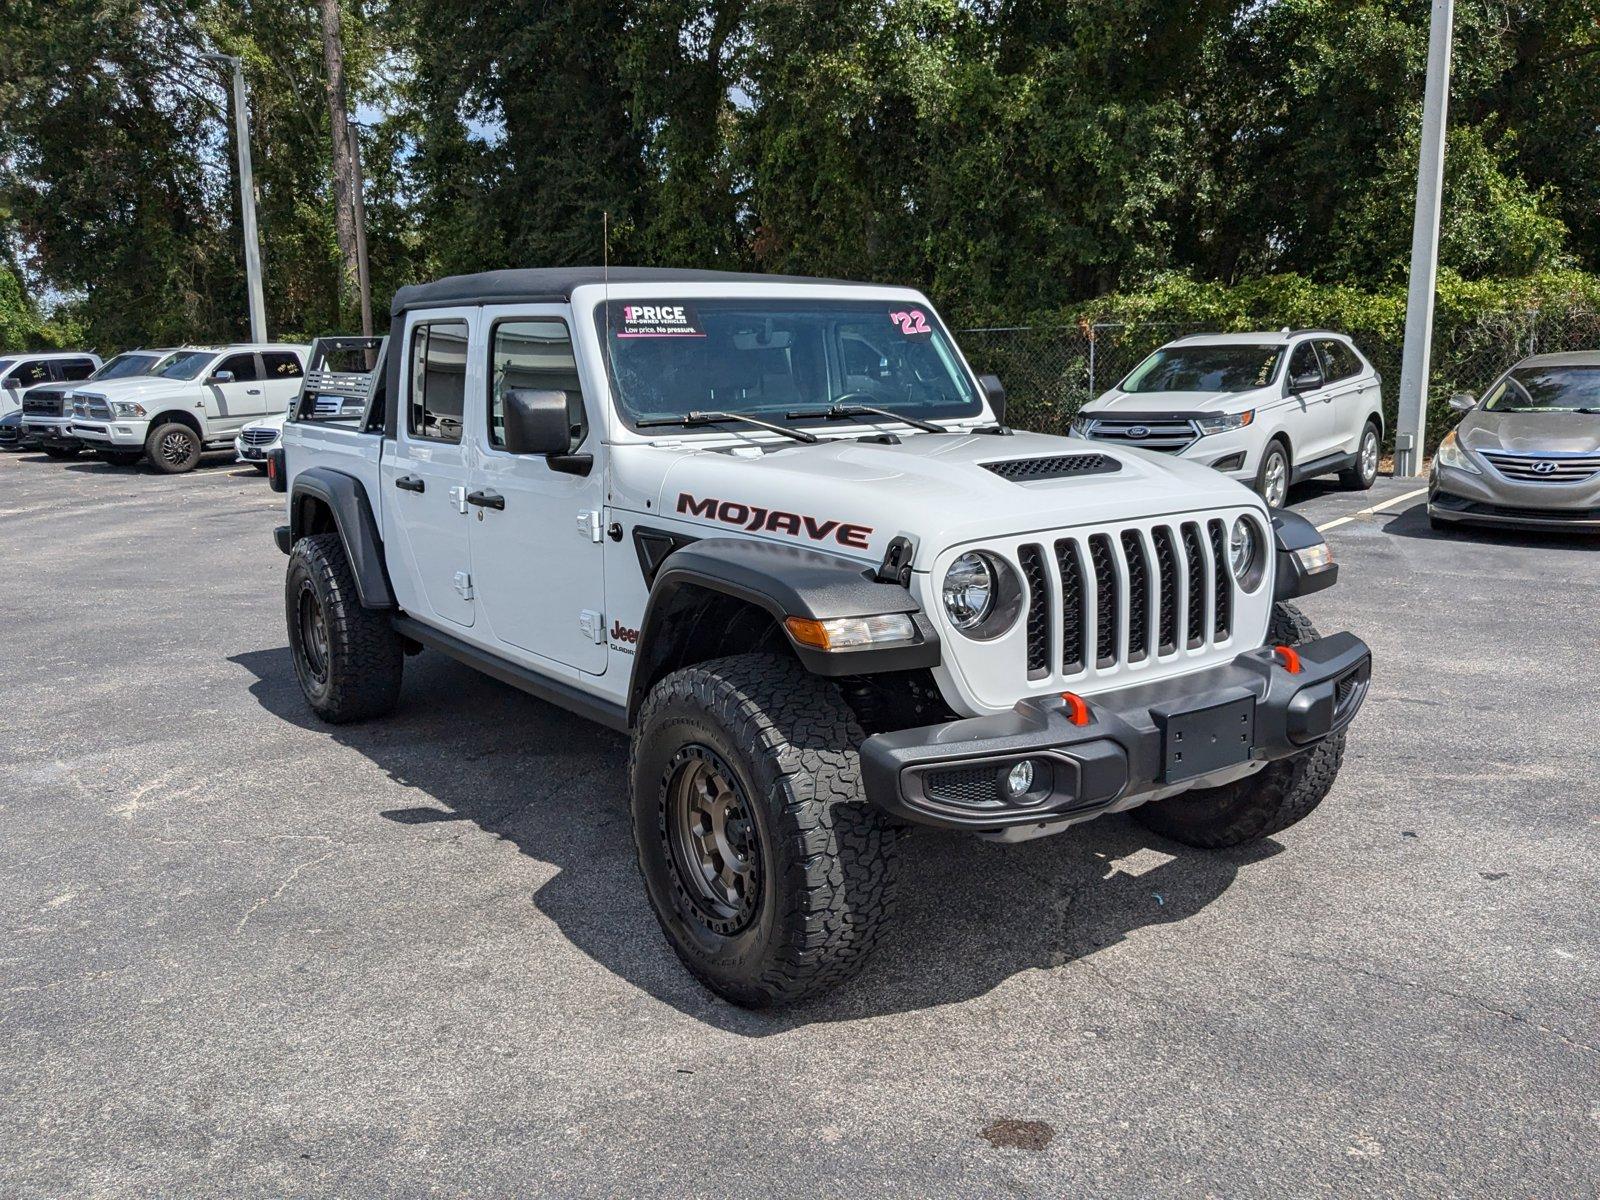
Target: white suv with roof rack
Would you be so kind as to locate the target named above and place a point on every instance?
(1267, 409)
(197, 399)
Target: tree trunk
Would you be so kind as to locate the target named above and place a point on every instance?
(344, 171)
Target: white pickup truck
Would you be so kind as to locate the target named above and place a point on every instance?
(778, 530)
(196, 400)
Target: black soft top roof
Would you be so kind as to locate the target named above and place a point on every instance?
(553, 285)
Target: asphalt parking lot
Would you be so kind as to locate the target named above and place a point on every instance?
(247, 954)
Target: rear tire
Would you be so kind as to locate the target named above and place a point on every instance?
(770, 874)
(348, 659)
(1259, 805)
(173, 448)
(261, 468)
(1364, 474)
(1272, 476)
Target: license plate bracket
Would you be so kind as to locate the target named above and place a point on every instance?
(1197, 741)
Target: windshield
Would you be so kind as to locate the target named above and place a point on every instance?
(765, 357)
(1546, 389)
(125, 365)
(1205, 369)
(185, 364)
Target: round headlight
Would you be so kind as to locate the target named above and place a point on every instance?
(969, 591)
(1245, 554)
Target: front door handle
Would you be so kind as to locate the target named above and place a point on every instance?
(410, 483)
(487, 500)
(252, 391)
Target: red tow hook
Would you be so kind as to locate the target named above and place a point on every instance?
(1077, 708)
(1287, 656)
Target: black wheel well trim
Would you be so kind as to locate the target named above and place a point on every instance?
(344, 499)
(777, 581)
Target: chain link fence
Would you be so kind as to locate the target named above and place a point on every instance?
(1052, 371)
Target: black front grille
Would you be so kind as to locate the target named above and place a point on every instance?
(1059, 466)
(1224, 593)
(39, 403)
(1072, 618)
(1195, 558)
(1167, 572)
(1032, 560)
(970, 787)
(1138, 596)
(1108, 633)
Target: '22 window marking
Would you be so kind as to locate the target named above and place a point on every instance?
(913, 322)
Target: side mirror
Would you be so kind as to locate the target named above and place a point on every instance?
(222, 377)
(1306, 381)
(536, 422)
(995, 393)
(1463, 402)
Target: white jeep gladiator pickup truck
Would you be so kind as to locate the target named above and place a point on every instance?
(777, 529)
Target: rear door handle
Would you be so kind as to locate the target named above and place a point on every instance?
(252, 391)
(410, 483)
(487, 500)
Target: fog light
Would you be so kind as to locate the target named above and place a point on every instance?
(1019, 780)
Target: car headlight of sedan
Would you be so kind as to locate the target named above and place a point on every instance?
(1450, 454)
(126, 408)
(1223, 422)
(1082, 424)
(982, 595)
(1247, 553)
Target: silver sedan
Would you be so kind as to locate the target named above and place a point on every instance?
(1528, 453)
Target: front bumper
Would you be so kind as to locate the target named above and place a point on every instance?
(1489, 499)
(1139, 744)
(120, 434)
(245, 453)
(51, 431)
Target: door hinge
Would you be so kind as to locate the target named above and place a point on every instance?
(592, 625)
(589, 525)
(464, 584)
(458, 497)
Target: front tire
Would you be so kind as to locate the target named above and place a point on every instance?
(1272, 476)
(1364, 474)
(348, 658)
(1259, 805)
(173, 448)
(770, 874)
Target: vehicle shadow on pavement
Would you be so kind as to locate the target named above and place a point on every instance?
(971, 914)
(1413, 523)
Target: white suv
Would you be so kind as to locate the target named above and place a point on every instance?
(196, 400)
(1267, 409)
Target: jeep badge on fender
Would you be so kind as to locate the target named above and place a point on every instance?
(778, 532)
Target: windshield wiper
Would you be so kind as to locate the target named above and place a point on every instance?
(689, 420)
(840, 412)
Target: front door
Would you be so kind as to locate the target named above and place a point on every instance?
(233, 403)
(536, 530)
(424, 475)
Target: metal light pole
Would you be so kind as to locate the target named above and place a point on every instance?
(1414, 361)
(247, 201)
(359, 206)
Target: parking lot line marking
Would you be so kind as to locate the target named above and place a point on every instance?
(1376, 508)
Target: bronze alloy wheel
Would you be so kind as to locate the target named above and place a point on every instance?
(713, 851)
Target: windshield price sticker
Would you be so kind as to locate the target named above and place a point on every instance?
(912, 322)
(658, 321)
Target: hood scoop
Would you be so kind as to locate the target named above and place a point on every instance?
(1057, 466)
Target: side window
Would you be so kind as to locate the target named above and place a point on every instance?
(243, 367)
(73, 369)
(1342, 362)
(1303, 360)
(438, 380)
(280, 364)
(534, 353)
(29, 373)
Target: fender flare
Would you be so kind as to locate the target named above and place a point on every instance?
(346, 499)
(1292, 532)
(783, 581)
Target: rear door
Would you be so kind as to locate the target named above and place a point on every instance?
(424, 470)
(281, 371)
(1352, 389)
(74, 370)
(536, 549)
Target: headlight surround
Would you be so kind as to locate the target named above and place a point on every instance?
(126, 408)
(1223, 422)
(1247, 553)
(982, 595)
(1081, 425)
(1450, 454)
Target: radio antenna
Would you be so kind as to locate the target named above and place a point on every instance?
(605, 270)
